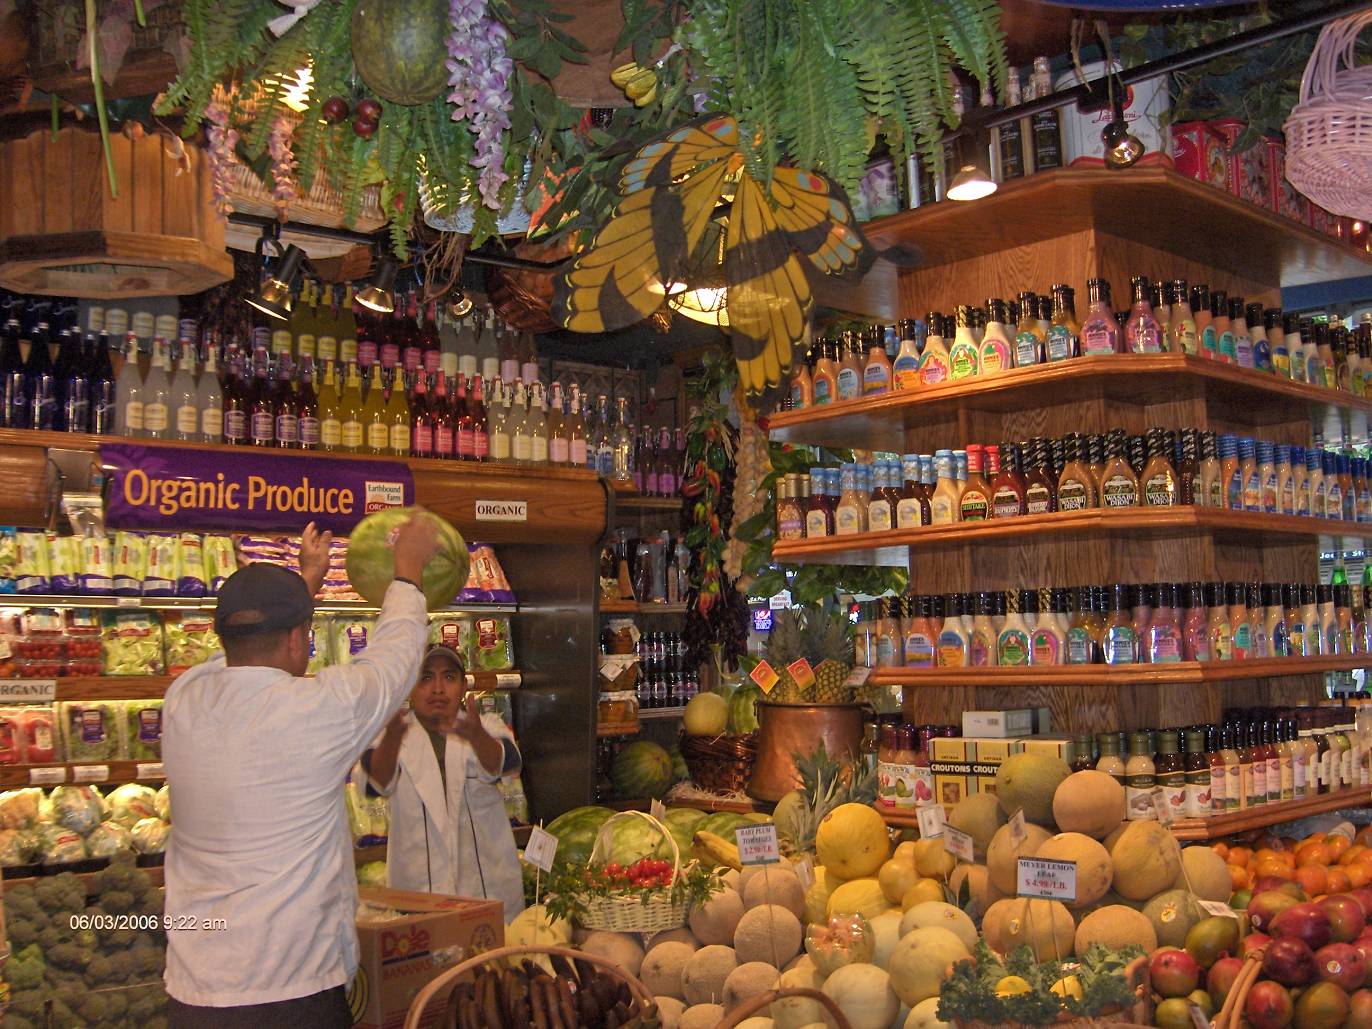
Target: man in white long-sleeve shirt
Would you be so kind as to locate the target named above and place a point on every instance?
(261, 893)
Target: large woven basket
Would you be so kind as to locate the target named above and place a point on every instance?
(651, 914)
(720, 764)
(1329, 131)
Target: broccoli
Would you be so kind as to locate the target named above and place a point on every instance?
(54, 935)
(17, 1021)
(93, 1007)
(123, 966)
(117, 901)
(61, 894)
(148, 959)
(22, 931)
(98, 971)
(141, 887)
(143, 1008)
(116, 1004)
(118, 939)
(25, 969)
(69, 956)
(29, 1003)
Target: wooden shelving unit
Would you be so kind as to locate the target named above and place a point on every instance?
(1179, 672)
(208, 604)
(649, 714)
(1268, 814)
(94, 772)
(145, 687)
(634, 607)
(638, 502)
(740, 807)
(617, 729)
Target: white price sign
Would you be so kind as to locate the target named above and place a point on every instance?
(959, 844)
(1046, 878)
(930, 821)
(1161, 808)
(90, 773)
(757, 844)
(28, 691)
(541, 849)
(150, 770)
(1219, 907)
(657, 809)
(47, 776)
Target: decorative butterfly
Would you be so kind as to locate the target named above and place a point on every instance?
(673, 191)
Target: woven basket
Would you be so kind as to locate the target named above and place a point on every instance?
(720, 764)
(764, 1001)
(651, 914)
(1138, 1015)
(1329, 131)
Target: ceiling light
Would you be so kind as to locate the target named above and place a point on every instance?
(376, 296)
(971, 183)
(274, 296)
(1122, 147)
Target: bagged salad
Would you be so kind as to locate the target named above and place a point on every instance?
(64, 564)
(18, 847)
(150, 836)
(108, 839)
(90, 730)
(190, 565)
(97, 565)
(131, 803)
(189, 639)
(348, 637)
(220, 560)
(161, 571)
(491, 648)
(321, 655)
(130, 563)
(9, 559)
(19, 809)
(78, 808)
(142, 731)
(132, 643)
(58, 845)
(32, 569)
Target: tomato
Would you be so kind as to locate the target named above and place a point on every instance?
(613, 868)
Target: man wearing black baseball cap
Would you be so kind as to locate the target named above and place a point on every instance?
(260, 888)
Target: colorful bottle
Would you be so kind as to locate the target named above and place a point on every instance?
(1100, 332)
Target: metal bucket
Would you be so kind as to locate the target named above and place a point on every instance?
(787, 729)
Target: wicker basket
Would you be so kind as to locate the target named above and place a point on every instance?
(764, 1001)
(415, 1016)
(720, 764)
(650, 914)
(1329, 131)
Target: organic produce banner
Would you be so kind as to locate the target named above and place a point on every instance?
(169, 488)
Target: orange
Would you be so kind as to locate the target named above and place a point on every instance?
(1347, 857)
(1222, 849)
(1338, 881)
(1337, 844)
(1239, 855)
(1365, 836)
(1313, 853)
(1275, 871)
(1239, 879)
(1313, 879)
(1359, 875)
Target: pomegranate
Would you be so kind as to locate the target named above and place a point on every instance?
(1290, 962)
(369, 110)
(364, 129)
(1221, 978)
(1346, 917)
(334, 110)
(1342, 964)
(1304, 922)
(1268, 1006)
(1173, 973)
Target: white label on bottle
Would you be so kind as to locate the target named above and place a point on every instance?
(143, 324)
(212, 423)
(187, 419)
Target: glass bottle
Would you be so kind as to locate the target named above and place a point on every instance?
(1040, 487)
(890, 650)
(1119, 638)
(876, 373)
(1236, 596)
(1008, 484)
(1139, 779)
(789, 509)
(1189, 486)
(157, 393)
(352, 432)
(1285, 479)
(964, 357)
(1207, 339)
(1225, 347)
(1181, 321)
(1160, 486)
(974, 503)
(1252, 767)
(1100, 332)
(981, 644)
(1164, 642)
(850, 515)
(1195, 626)
(1196, 773)
(825, 375)
(1048, 641)
(935, 361)
(1257, 625)
(1268, 487)
(954, 639)
(997, 350)
(1219, 631)
(905, 368)
(1250, 498)
(1119, 484)
(286, 416)
(1029, 336)
(850, 368)
(1012, 643)
(913, 507)
(944, 504)
(1210, 486)
(1260, 333)
(1063, 341)
(1110, 762)
(1141, 332)
(881, 505)
(1244, 354)
(1170, 772)
(1076, 489)
(920, 635)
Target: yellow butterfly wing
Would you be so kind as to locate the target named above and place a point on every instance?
(680, 152)
(814, 213)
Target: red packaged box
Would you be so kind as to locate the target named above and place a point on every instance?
(1327, 222)
(1198, 153)
(1250, 172)
(1286, 199)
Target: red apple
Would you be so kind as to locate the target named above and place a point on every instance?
(1342, 964)
(1359, 1010)
(1304, 922)
(1173, 973)
(1268, 1006)
(1290, 962)
(1221, 978)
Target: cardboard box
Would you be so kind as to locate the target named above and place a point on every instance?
(1054, 744)
(964, 765)
(1198, 153)
(1023, 721)
(398, 957)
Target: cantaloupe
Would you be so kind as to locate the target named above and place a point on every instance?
(701, 1016)
(714, 921)
(1145, 859)
(1172, 914)
(1002, 856)
(886, 934)
(795, 1012)
(864, 994)
(756, 1022)
(775, 885)
(1028, 780)
(922, 960)
(662, 968)
(669, 1010)
(852, 841)
(767, 933)
(979, 816)
(933, 912)
(702, 982)
(1045, 926)
(681, 934)
(858, 897)
(1094, 869)
(746, 981)
(924, 1015)
(621, 948)
(980, 891)
(1089, 802)
(1115, 926)
(1204, 873)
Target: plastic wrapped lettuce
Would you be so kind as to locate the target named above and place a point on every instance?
(19, 808)
(64, 563)
(373, 873)
(90, 729)
(9, 559)
(132, 643)
(131, 803)
(189, 639)
(77, 808)
(162, 803)
(150, 836)
(348, 637)
(129, 563)
(18, 846)
(143, 730)
(321, 655)
(491, 648)
(220, 560)
(32, 570)
(108, 839)
(58, 845)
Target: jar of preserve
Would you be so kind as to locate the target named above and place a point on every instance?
(621, 636)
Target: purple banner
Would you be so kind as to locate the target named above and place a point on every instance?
(171, 488)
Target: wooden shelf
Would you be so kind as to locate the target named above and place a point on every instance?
(633, 607)
(208, 604)
(144, 687)
(1096, 675)
(617, 729)
(647, 714)
(1268, 814)
(1167, 209)
(94, 772)
(740, 807)
(892, 547)
(638, 503)
(1241, 394)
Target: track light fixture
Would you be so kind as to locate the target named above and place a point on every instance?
(1122, 147)
(273, 297)
(376, 296)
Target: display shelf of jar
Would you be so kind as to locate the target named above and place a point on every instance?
(208, 604)
(634, 607)
(1231, 822)
(1246, 395)
(606, 729)
(650, 713)
(1096, 675)
(892, 546)
(96, 772)
(144, 687)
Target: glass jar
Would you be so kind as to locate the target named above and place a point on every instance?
(621, 636)
(620, 708)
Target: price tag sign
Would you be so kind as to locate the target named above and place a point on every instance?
(930, 821)
(149, 770)
(801, 672)
(1046, 878)
(47, 776)
(764, 676)
(541, 849)
(1219, 907)
(1161, 808)
(757, 844)
(128, 601)
(507, 680)
(90, 773)
(805, 872)
(658, 810)
(1018, 833)
(858, 677)
(959, 844)
(1198, 1017)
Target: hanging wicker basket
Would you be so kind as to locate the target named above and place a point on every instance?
(1329, 131)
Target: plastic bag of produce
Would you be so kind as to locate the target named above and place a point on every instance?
(349, 637)
(40, 737)
(78, 808)
(160, 573)
(9, 559)
(131, 803)
(64, 563)
(108, 839)
(188, 639)
(90, 729)
(220, 560)
(32, 574)
(12, 749)
(132, 643)
(190, 565)
(150, 835)
(143, 730)
(17, 846)
(486, 582)
(130, 562)
(492, 650)
(97, 565)
(19, 808)
(452, 631)
(373, 873)
(162, 803)
(321, 653)
(371, 566)
(58, 845)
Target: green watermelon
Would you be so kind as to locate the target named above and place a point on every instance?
(679, 770)
(683, 821)
(721, 823)
(742, 713)
(642, 769)
(576, 832)
(399, 48)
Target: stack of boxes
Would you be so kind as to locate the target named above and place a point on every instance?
(967, 764)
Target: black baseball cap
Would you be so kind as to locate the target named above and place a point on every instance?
(259, 598)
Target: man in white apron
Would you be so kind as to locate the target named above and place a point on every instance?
(449, 831)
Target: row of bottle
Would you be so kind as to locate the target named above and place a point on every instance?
(1038, 329)
(659, 689)
(1116, 624)
(1161, 468)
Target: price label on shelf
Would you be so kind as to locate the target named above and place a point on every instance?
(930, 820)
(1046, 878)
(541, 849)
(28, 691)
(657, 809)
(47, 776)
(757, 844)
(90, 773)
(959, 844)
(128, 601)
(1018, 833)
(507, 680)
(149, 770)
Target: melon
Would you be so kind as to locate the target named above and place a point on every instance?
(934, 912)
(1002, 855)
(1089, 802)
(702, 982)
(853, 841)
(864, 994)
(1028, 780)
(669, 1010)
(1204, 873)
(857, 897)
(398, 48)
(885, 935)
(896, 877)
(980, 894)
(1146, 860)
(775, 885)
(1045, 926)
(370, 561)
(742, 716)
(979, 816)
(701, 1016)
(817, 896)
(643, 769)
(662, 967)
(788, 813)
(682, 821)
(621, 948)
(721, 823)
(1172, 914)
(767, 933)
(681, 934)
(714, 921)
(922, 960)
(932, 860)
(1094, 870)
(795, 1012)
(1115, 926)
(576, 832)
(746, 981)
(706, 714)
(924, 1015)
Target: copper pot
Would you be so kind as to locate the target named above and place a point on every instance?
(785, 729)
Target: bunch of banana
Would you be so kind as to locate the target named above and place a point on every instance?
(528, 997)
(639, 83)
(714, 851)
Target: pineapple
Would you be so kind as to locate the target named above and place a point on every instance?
(831, 652)
(785, 644)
